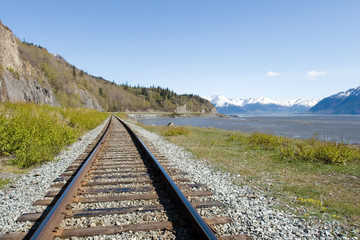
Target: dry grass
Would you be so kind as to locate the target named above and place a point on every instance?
(122, 115)
(6, 168)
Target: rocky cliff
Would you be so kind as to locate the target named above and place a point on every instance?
(19, 80)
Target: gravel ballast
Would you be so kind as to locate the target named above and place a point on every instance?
(17, 198)
(255, 217)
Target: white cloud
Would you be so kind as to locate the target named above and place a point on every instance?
(315, 74)
(272, 74)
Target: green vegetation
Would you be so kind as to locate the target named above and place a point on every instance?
(13, 72)
(264, 141)
(70, 84)
(318, 151)
(3, 182)
(173, 131)
(311, 150)
(321, 178)
(33, 134)
(83, 119)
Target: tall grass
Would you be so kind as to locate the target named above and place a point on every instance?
(33, 134)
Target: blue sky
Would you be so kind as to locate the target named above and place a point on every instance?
(281, 49)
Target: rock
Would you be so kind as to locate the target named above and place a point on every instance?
(170, 124)
(181, 109)
(19, 80)
(22, 81)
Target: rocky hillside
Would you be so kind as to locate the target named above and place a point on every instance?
(29, 73)
(19, 80)
(341, 103)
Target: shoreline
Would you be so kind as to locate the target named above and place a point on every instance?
(139, 116)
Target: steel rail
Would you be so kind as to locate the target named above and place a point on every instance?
(199, 225)
(47, 228)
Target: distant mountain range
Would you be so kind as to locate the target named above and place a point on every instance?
(259, 105)
(341, 103)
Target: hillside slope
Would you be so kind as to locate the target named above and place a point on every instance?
(341, 103)
(29, 73)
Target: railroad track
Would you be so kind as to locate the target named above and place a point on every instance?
(124, 189)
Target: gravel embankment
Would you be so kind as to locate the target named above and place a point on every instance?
(17, 198)
(256, 217)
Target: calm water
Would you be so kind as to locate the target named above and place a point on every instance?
(330, 127)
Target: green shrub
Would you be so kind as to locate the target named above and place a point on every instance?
(174, 131)
(240, 138)
(264, 141)
(83, 118)
(321, 151)
(34, 134)
(312, 150)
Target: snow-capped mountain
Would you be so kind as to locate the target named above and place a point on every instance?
(347, 102)
(259, 105)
